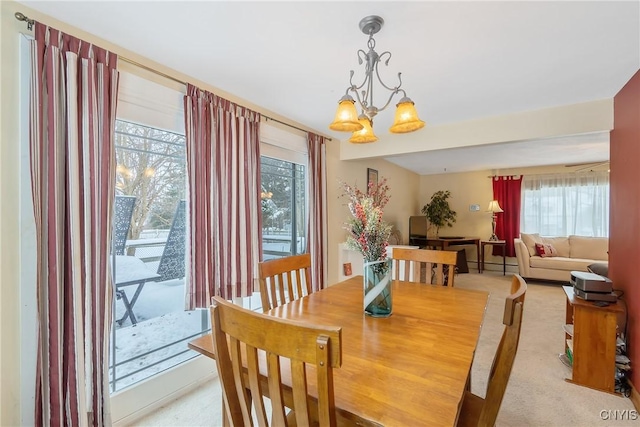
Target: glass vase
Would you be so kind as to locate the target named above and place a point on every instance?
(377, 288)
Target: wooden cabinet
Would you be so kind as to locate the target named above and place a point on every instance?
(594, 342)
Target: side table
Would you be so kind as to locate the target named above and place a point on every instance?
(503, 244)
(593, 342)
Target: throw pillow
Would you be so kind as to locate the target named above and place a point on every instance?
(530, 241)
(545, 250)
(561, 244)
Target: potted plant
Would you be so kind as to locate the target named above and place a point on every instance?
(438, 211)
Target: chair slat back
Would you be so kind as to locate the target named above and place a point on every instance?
(250, 345)
(122, 213)
(284, 279)
(411, 260)
(172, 262)
(506, 352)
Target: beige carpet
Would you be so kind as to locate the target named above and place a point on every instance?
(537, 394)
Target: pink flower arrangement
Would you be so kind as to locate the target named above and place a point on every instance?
(367, 232)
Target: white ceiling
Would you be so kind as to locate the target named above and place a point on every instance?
(582, 150)
(459, 60)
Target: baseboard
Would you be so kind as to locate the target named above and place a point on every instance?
(635, 397)
(136, 416)
(493, 266)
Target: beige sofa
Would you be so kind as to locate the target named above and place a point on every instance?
(574, 253)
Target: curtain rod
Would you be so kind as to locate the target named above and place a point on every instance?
(21, 17)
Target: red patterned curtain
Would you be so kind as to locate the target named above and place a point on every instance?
(317, 223)
(73, 94)
(223, 166)
(507, 191)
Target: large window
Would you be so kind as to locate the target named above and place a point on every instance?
(283, 208)
(566, 204)
(151, 327)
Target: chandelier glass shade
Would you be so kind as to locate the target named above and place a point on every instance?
(406, 117)
(347, 119)
(365, 134)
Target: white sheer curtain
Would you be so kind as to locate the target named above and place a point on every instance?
(566, 204)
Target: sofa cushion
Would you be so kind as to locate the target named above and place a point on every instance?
(589, 247)
(560, 244)
(560, 263)
(545, 250)
(530, 241)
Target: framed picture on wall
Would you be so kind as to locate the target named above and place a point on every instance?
(372, 176)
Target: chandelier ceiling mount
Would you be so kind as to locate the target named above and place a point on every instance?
(371, 24)
(347, 118)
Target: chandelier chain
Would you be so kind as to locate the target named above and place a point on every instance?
(371, 44)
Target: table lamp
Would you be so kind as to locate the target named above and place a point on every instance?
(494, 208)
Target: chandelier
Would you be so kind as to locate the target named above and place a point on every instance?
(347, 118)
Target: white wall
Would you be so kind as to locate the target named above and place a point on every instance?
(10, 388)
(27, 268)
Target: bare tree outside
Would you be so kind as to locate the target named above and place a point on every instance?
(151, 167)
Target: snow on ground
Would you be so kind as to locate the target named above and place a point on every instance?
(162, 320)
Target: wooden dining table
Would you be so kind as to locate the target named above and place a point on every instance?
(405, 370)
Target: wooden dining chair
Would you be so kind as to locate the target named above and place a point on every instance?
(284, 279)
(475, 410)
(250, 345)
(409, 262)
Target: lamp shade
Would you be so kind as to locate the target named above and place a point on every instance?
(365, 134)
(494, 207)
(346, 119)
(406, 119)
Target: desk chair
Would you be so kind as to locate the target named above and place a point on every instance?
(410, 260)
(281, 280)
(243, 338)
(477, 411)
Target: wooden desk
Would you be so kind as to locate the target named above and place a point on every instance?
(408, 369)
(444, 243)
(502, 243)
